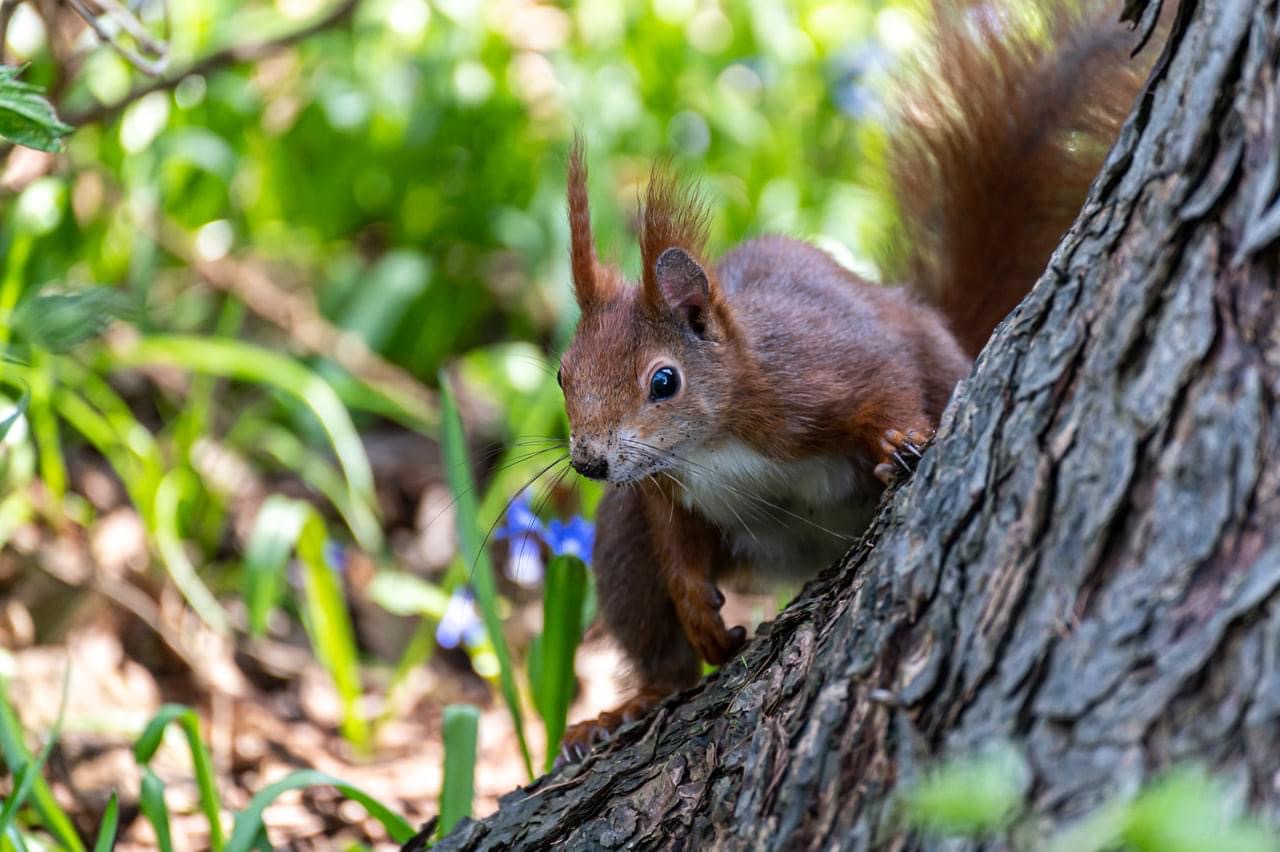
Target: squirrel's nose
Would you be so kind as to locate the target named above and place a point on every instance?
(597, 468)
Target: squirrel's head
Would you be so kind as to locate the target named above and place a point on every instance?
(647, 377)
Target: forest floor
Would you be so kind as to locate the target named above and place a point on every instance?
(90, 601)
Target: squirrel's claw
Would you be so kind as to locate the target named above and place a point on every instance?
(579, 739)
(714, 642)
(901, 454)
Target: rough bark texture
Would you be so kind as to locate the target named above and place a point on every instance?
(1088, 562)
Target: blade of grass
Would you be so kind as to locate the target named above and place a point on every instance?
(19, 252)
(44, 428)
(275, 534)
(458, 470)
(238, 360)
(168, 540)
(107, 828)
(134, 438)
(18, 409)
(329, 624)
(249, 824)
(192, 422)
(258, 436)
(15, 510)
(562, 599)
(417, 652)
(461, 722)
(13, 841)
(25, 775)
(153, 807)
(145, 748)
(15, 752)
(402, 593)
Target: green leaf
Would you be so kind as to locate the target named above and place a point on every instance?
(19, 409)
(107, 829)
(145, 748)
(402, 593)
(16, 756)
(461, 722)
(151, 802)
(249, 824)
(458, 470)
(1187, 811)
(61, 321)
(167, 531)
(25, 116)
(283, 524)
(553, 680)
(971, 796)
(246, 362)
(275, 533)
(329, 625)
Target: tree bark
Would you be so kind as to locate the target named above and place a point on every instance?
(1087, 563)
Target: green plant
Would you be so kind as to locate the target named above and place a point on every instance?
(248, 830)
(551, 656)
(1182, 810)
(26, 118)
(473, 553)
(460, 724)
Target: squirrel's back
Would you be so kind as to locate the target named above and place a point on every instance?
(994, 142)
(802, 311)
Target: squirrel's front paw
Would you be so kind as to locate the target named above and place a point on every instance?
(700, 615)
(901, 453)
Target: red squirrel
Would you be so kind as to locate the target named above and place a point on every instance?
(747, 413)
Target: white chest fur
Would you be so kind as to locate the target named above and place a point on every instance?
(788, 518)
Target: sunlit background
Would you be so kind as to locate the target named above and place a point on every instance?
(240, 312)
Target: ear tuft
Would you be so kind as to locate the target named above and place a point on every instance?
(588, 288)
(684, 286)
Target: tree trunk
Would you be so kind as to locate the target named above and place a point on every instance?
(1087, 563)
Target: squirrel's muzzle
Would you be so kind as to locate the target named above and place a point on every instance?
(592, 468)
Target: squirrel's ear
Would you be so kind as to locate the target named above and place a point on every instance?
(592, 285)
(684, 286)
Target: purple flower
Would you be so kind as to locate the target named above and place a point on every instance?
(460, 623)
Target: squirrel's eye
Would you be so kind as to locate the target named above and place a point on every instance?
(664, 384)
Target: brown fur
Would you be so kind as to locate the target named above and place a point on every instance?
(592, 284)
(996, 140)
(792, 369)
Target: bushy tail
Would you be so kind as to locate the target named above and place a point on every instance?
(995, 140)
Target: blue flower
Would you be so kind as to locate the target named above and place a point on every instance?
(335, 556)
(524, 560)
(460, 623)
(574, 537)
(526, 534)
(520, 520)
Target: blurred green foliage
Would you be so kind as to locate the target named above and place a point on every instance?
(984, 796)
(409, 167)
(397, 175)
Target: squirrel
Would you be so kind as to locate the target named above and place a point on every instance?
(747, 414)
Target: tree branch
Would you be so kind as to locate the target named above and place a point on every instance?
(152, 68)
(235, 55)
